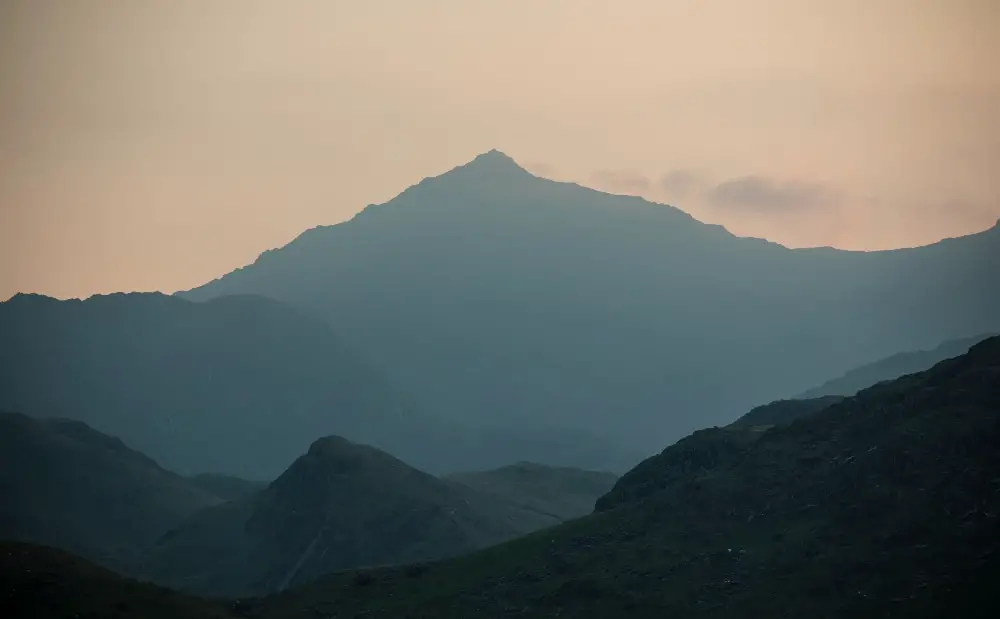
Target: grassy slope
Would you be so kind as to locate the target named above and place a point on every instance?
(43, 583)
(885, 505)
(66, 485)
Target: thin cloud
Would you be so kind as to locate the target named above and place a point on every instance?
(625, 181)
(681, 183)
(762, 194)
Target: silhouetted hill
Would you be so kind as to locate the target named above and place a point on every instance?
(489, 294)
(560, 491)
(66, 485)
(341, 505)
(226, 486)
(783, 412)
(882, 505)
(37, 582)
(240, 385)
(891, 368)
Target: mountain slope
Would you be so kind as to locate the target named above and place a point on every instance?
(239, 385)
(565, 493)
(340, 505)
(783, 412)
(891, 368)
(43, 583)
(489, 294)
(883, 505)
(64, 484)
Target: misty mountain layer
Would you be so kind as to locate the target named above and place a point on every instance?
(490, 294)
(240, 385)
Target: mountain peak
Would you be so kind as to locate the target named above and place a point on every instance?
(493, 163)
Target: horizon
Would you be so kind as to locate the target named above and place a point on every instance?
(157, 146)
(477, 158)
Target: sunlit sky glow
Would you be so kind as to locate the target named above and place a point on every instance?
(156, 144)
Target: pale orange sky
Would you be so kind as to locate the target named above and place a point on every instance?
(157, 144)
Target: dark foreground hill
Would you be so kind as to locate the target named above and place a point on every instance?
(563, 492)
(38, 582)
(341, 505)
(66, 485)
(890, 368)
(886, 504)
(487, 293)
(240, 385)
(783, 412)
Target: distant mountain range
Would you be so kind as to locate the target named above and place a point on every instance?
(341, 505)
(240, 385)
(883, 504)
(891, 368)
(491, 296)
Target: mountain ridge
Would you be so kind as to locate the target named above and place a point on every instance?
(538, 302)
(882, 505)
(340, 505)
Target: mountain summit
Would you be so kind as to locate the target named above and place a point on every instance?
(498, 298)
(340, 505)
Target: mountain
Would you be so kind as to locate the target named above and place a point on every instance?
(891, 367)
(563, 492)
(882, 505)
(37, 582)
(783, 412)
(340, 505)
(64, 484)
(489, 294)
(239, 385)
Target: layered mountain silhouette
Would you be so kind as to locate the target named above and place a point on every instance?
(882, 505)
(490, 295)
(340, 505)
(66, 485)
(563, 492)
(240, 385)
(784, 412)
(891, 368)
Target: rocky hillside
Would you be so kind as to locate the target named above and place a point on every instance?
(883, 505)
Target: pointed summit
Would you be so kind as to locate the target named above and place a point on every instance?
(493, 164)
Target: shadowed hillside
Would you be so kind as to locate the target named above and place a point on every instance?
(64, 484)
(883, 505)
(562, 492)
(488, 293)
(341, 505)
(44, 583)
(240, 385)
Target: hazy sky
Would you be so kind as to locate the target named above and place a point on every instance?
(156, 144)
